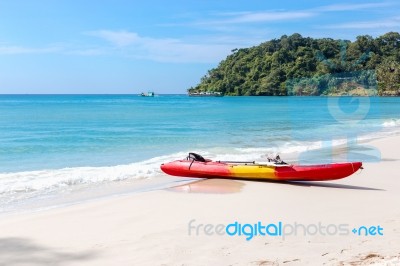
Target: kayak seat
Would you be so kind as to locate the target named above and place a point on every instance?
(196, 157)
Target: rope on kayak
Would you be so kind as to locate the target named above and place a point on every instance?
(252, 162)
(191, 163)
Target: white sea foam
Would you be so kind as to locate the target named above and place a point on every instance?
(29, 184)
(391, 123)
(285, 148)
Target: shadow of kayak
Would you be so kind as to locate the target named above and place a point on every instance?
(227, 186)
(210, 186)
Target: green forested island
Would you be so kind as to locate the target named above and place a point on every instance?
(296, 65)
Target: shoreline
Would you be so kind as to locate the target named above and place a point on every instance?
(152, 227)
(84, 193)
(99, 192)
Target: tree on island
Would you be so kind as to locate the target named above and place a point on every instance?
(303, 65)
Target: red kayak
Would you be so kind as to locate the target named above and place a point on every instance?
(196, 166)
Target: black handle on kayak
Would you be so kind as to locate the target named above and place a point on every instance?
(253, 162)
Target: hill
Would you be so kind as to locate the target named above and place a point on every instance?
(297, 65)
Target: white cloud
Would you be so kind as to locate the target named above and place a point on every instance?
(254, 17)
(386, 23)
(13, 50)
(229, 30)
(88, 51)
(131, 44)
(351, 7)
(268, 16)
(222, 21)
(118, 38)
(180, 52)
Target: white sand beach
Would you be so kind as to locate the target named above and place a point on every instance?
(152, 228)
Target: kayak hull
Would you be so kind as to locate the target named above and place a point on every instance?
(210, 169)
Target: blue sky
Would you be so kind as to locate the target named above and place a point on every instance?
(120, 46)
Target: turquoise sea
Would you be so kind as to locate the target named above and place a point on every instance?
(50, 142)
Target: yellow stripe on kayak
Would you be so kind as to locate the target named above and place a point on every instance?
(253, 171)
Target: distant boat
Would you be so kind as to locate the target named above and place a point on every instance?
(206, 94)
(148, 94)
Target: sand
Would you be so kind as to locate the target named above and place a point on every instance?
(152, 228)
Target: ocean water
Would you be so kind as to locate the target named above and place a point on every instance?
(52, 142)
